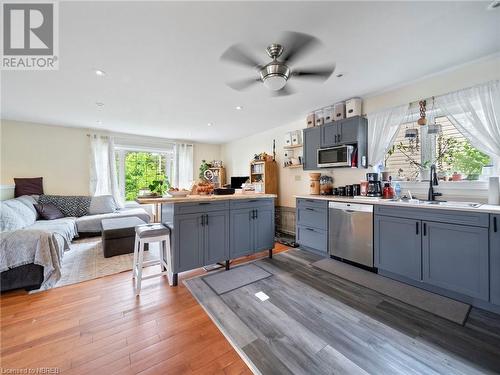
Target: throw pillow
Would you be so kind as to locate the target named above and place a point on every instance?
(102, 204)
(48, 211)
(28, 186)
(70, 206)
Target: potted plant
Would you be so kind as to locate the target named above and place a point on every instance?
(158, 187)
(470, 161)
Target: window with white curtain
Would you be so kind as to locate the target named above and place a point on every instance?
(448, 148)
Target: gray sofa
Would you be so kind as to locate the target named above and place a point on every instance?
(31, 250)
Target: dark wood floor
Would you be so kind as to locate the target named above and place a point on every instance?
(99, 327)
(317, 323)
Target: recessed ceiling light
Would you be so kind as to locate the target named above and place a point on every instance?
(239, 107)
(100, 73)
(210, 124)
(99, 104)
(339, 75)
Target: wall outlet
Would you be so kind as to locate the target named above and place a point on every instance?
(298, 177)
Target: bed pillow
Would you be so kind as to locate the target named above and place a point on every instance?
(48, 211)
(102, 204)
(28, 186)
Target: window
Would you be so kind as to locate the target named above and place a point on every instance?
(143, 169)
(448, 149)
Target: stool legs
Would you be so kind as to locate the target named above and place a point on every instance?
(139, 268)
(136, 253)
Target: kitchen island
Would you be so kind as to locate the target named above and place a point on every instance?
(452, 249)
(211, 229)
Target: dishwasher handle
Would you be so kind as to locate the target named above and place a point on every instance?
(350, 207)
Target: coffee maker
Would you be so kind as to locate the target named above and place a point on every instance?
(374, 186)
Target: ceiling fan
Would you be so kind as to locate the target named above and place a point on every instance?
(278, 72)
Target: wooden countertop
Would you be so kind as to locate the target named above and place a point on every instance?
(204, 198)
(487, 208)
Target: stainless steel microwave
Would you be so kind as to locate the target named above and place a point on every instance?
(339, 156)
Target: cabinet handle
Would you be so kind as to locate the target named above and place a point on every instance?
(253, 200)
(335, 138)
(206, 220)
(310, 229)
(256, 214)
(339, 137)
(202, 220)
(417, 227)
(425, 229)
(309, 209)
(495, 228)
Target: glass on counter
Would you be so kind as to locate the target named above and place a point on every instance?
(326, 185)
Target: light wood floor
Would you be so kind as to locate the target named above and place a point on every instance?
(100, 327)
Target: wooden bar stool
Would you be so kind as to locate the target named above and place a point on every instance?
(146, 234)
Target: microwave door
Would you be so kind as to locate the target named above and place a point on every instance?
(335, 156)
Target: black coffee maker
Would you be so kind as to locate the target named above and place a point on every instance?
(374, 186)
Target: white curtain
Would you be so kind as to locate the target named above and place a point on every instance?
(103, 176)
(475, 112)
(183, 176)
(383, 127)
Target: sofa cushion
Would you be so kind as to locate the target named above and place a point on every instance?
(92, 223)
(70, 206)
(102, 204)
(28, 186)
(65, 227)
(29, 201)
(47, 211)
(15, 215)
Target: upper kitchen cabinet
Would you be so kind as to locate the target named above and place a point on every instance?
(495, 259)
(348, 131)
(311, 140)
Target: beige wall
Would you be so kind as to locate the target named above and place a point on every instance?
(237, 154)
(59, 154)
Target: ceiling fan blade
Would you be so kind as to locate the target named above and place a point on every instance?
(296, 45)
(321, 73)
(237, 54)
(285, 91)
(243, 84)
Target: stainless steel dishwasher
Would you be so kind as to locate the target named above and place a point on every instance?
(350, 234)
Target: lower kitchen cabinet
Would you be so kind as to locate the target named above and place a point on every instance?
(312, 239)
(397, 246)
(455, 257)
(312, 224)
(251, 230)
(216, 241)
(495, 259)
(189, 240)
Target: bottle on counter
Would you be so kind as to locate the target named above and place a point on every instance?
(397, 190)
(388, 192)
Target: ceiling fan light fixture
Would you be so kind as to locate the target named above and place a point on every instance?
(274, 82)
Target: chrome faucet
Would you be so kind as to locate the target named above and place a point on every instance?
(433, 181)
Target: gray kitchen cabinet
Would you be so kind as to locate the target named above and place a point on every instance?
(311, 143)
(189, 239)
(216, 241)
(397, 246)
(251, 230)
(495, 259)
(330, 134)
(241, 232)
(312, 239)
(348, 130)
(201, 239)
(455, 257)
(312, 224)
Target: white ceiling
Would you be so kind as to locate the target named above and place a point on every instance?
(164, 77)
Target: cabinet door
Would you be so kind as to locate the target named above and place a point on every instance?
(397, 244)
(495, 259)
(188, 242)
(455, 257)
(329, 135)
(348, 131)
(312, 239)
(241, 233)
(263, 229)
(216, 237)
(312, 137)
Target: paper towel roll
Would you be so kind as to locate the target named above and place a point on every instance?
(494, 191)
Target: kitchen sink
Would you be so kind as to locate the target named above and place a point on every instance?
(453, 204)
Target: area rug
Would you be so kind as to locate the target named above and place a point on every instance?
(85, 261)
(223, 282)
(303, 320)
(444, 307)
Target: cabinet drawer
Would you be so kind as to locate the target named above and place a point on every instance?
(312, 217)
(200, 207)
(478, 219)
(251, 203)
(311, 202)
(312, 238)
